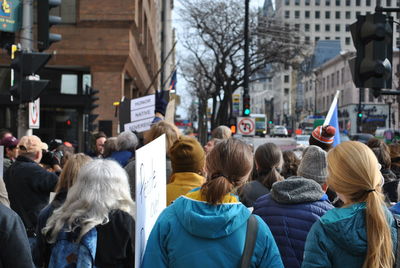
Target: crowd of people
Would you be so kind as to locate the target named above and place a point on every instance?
(227, 205)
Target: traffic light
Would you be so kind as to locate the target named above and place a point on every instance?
(246, 105)
(360, 115)
(373, 39)
(26, 87)
(92, 106)
(233, 128)
(44, 23)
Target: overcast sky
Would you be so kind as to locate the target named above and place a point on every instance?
(181, 85)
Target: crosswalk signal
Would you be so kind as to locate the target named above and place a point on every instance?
(44, 23)
(373, 39)
(246, 105)
(26, 86)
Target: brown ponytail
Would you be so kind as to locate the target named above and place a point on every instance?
(228, 166)
(268, 158)
(354, 173)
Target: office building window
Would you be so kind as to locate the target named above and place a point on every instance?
(323, 84)
(287, 14)
(327, 38)
(317, 2)
(328, 82)
(317, 14)
(307, 14)
(338, 3)
(337, 38)
(358, 3)
(337, 27)
(342, 71)
(348, 3)
(327, 3)
(307, 2)
(307, 40)
(388, 3)
(337, 78)
(316, 39)
(286, 79)
(368, 3)
(297, 14)
(327, 27)
(347, 41)
(327, 15)
(297, 27)
(286, 91)
(358, 13)
(287, 2)
(348, 15)
(337, 14)
(307, 27)
(347, 27)
(297, 2)
(333, 80)
(317, 27)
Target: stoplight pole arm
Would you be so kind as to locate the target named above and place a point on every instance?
(380, 9)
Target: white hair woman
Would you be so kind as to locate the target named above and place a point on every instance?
(99, 199)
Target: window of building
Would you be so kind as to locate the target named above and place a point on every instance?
(297, 2)
(287, 14)
(307, 27)
(342, 71)
(397, 42)
(297, 27)
(327, 3)
(316, 39)
(348, 3)
(286, 67)
(327, 38)
(347, 41)
(337, 14)
(337, 38)
(317, 14)
(307, 14)
(358, 13)
(337, 27)
(327, 27)
(358, 3)
(307, 2)
(297, 14)
(307, 40)
(287, 2)
(323, 84)
(337, 78)
(297, 39)
(328, 82)
(348, 15)
(286, 91)
(317, 2)
(368, 3)
(388, 3)
(69, 84)
(338, 3)
(333, 80)
(317, 27)
(347, 27)
(327, 15)
(286, 79)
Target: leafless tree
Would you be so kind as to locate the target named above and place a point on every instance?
(214, 37)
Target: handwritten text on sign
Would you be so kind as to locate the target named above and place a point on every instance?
(150, 191)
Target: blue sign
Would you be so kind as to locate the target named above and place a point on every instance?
(10, 15)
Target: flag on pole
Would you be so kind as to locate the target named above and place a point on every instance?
(332, 119)
(172, 84)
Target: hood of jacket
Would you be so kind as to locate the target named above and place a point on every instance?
(210, 221)
(295, 190)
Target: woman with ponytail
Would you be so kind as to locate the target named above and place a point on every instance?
(362, 233)
(207, 226)
(268, 160)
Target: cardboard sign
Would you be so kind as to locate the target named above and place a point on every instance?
(151, 190)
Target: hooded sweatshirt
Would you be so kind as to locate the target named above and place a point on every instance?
(290, 210)
(192, 233)
(339, 238)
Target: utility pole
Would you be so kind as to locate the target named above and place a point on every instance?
(26, 45)
(246, 95)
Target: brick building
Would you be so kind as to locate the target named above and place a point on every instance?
(114, 46)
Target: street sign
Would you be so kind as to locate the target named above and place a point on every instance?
(246, 126)
(34, 114)
(10, 15)
(236, 104)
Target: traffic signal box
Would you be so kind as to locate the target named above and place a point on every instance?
(373, 39)
(44, 23)
(92, 106)
(26, 64)
(246, 105)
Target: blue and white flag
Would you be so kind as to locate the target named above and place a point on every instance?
(332, 119)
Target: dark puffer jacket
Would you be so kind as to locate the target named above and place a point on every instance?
(290, 210)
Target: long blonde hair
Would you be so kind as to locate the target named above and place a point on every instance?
(354, 172)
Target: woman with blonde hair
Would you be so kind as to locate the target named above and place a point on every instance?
(98, 199)
(207, 226)
(363, 232)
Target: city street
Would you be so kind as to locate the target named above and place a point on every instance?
(283, 143)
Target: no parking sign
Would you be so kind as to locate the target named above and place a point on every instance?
(246, 126)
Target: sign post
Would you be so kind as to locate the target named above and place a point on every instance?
(246, 126)
(151, 197)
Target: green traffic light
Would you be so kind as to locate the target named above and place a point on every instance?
(247, 111)
(360, 115)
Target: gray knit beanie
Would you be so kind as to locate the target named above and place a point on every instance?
(313, 164)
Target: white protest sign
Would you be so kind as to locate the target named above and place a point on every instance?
(139, 126)
(143, 102)
(34, 114)
(141, 114)
(151, 190)
(1, 161)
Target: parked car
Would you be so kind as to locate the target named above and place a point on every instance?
(280, 131)
(302, 140)
(361, 137)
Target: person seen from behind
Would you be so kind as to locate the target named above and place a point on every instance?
(290, 164)
(221, 132)
(110, 146)
(362, 233)
(98, 199)
(126, 143)
(395, 158)
(295, 204)
(268, 161)
(187, 159)
(323, 137)
(10, 151)
(207, 226)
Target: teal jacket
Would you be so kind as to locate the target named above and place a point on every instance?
(339, 238)
(192, 233)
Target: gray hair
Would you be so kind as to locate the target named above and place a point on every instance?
(127, 141)
(221, 132)
(101, 186)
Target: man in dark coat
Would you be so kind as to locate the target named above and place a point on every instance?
(295, 204)
(28, 184)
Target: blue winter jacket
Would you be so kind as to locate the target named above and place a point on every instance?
(290, 210)
(339, 238)
(122, 157)
(192, 233)
(395, 209)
